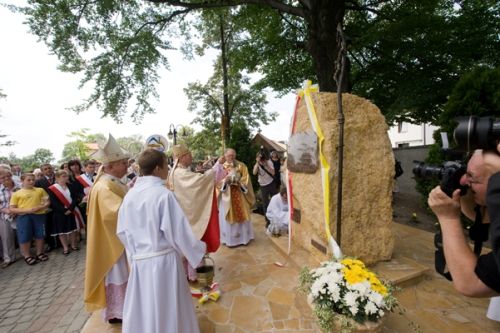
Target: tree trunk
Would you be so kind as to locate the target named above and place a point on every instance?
(322, 20)
(225, 130)
(225, 123)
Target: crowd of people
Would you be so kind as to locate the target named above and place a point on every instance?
(148, 239)
(44, 206)
(149, 225)
(138, 217)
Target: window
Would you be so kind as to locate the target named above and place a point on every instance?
(402, 127)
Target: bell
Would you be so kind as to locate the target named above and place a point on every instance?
(205, 273)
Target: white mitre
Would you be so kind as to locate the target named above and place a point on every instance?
(110, 152)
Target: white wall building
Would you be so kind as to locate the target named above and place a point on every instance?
(406, 135)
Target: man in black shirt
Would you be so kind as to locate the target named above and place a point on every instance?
(472, 276)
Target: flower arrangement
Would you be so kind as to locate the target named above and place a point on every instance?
(346, 292)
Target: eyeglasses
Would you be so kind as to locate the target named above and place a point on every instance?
(472, 180)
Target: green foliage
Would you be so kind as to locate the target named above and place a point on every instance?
(476, 93)
(2, 136)
(408, 56)
(241, 141)
(118, 45)
(228, 94)
(133, 143)
(77, 148)
(274, 48)
(203, 144)
(33, 161)
(404, 55)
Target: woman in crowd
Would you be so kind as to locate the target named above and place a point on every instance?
(78, 192)
(65, 212)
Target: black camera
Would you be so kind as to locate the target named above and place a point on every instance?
(449, 174)
(262, 153)
(477, 133)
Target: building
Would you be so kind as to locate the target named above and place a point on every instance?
(270, 145)
(407, 135)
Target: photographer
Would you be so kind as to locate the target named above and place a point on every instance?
(472, 276)
(265, 170)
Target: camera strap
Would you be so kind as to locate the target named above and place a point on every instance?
(261, 167)
(478, 232)
(439, 259)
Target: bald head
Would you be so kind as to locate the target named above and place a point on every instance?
(230, 155)
(477, 177)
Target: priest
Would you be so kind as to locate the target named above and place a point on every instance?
(196, 195)
(106, 269)
(277, 213)
(236, 198)
(156, 235)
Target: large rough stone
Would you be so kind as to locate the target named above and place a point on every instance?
(367, 181)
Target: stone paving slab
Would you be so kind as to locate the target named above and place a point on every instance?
(37, 298)
(259, 296)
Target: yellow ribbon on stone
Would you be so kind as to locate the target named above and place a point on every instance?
(305, 92)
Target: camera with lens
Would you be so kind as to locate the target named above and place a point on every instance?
(449, 174)
(477, 133)
(262, 153)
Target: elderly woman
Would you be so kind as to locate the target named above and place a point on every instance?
(7, 187)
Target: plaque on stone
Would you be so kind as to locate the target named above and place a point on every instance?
(296, 215)
(303, 152)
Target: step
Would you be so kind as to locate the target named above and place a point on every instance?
(399, 271)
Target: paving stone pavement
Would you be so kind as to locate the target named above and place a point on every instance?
(46, 297)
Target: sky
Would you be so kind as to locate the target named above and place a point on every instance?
(35, 115)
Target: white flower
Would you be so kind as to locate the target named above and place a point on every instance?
(316, 287)
(334, 290)
(350, 298)
(363, 288)
(353, 309)
(376, 298)
(370, 308)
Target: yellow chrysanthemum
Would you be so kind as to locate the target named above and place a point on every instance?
(380, 288)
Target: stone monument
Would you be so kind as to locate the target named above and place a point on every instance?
(367, 181)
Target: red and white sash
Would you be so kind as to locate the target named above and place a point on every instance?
(86, 183)
(65, 198)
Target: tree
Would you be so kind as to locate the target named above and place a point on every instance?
(39, 157)
(133, 144)
(477, 93)
(228, 95)
(404, 55)
(241, 141)
(408, 57)
(2, 136)
(78, 147)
